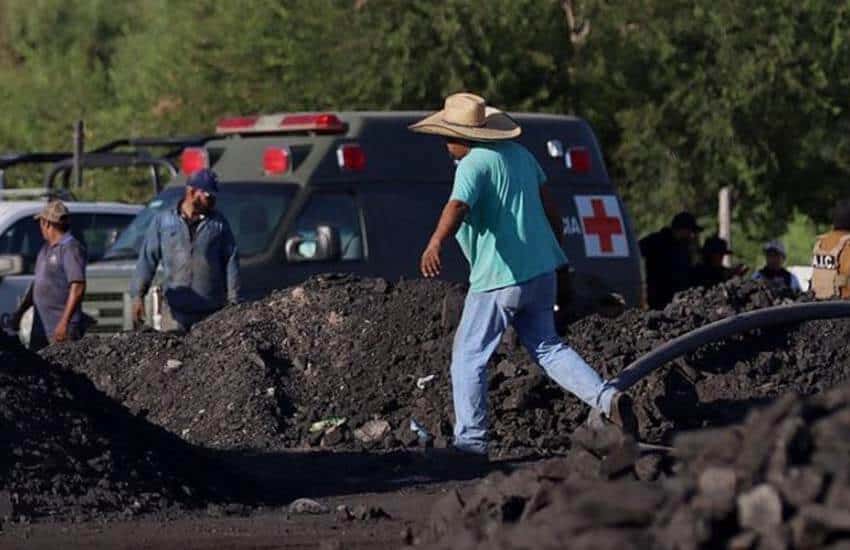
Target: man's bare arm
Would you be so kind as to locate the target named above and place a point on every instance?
(450, 220)
(76, 291)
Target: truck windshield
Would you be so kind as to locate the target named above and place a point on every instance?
(253, 210)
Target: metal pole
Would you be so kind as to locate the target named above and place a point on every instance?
(724, 219)
(79, 146)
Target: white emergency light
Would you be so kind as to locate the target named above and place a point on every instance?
(555, 148)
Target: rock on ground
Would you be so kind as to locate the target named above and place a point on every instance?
(777, 480)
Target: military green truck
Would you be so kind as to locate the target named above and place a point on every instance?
(357, 192)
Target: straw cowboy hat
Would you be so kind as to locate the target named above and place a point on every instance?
(467, 116)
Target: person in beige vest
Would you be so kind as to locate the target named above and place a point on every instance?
(831, 257)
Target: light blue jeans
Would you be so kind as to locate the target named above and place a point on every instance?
(529, 308)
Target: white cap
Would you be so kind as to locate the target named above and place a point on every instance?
(774, 246)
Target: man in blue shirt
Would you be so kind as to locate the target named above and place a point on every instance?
(509, 229)
(59, 283)
(196, 248)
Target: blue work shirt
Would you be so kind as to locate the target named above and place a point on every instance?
(201, 267)
(506, 236)
(56, 267)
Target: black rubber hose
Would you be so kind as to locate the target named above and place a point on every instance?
(761, 318)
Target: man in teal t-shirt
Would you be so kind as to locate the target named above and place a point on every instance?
(505, 235)
(509, 229)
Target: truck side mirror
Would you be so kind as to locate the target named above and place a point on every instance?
(11, 264)
(324, 247)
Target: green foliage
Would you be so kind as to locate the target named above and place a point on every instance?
(697, 95)
(800, 237)
(686, 96)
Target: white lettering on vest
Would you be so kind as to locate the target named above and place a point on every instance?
(824, 261)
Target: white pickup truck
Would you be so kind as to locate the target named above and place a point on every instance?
(96, 224)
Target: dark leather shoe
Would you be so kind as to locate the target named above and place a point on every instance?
(622, 413)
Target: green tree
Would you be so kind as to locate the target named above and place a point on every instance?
(692, 96)
(686, 96)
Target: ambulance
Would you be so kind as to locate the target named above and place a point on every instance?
(357, 192)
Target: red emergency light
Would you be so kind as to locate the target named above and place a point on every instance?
(276, 160)
(318, 123)
(313, 122)
(578, 160)
(237, 123)
(193, 159)
(351, 157)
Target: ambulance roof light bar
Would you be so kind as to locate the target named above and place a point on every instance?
(318, 123)
(236, 124)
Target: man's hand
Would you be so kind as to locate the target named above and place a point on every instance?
(60, 334)
(430, 263)
(451, 218)
(138, 311)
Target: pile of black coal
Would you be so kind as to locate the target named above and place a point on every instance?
(778, 480)
(219, 389)
(70, 452)
(720, 382)
(341, 362)
(338, 362)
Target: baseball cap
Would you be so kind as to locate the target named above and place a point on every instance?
(686, 220)
(206, 180)
(54, 212)
(715, 245)
(774, 246)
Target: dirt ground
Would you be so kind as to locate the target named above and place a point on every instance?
(406, 492)
(266, 530)
(148, 440)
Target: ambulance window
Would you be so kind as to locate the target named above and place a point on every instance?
(339, 211)
(253, 213)
(128, 243)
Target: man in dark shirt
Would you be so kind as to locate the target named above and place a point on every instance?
(668, 260)
(59, 283)
(711, 271)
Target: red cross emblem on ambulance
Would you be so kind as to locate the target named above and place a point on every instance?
(602, 225)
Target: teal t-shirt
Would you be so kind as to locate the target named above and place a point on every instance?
(506, 236)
